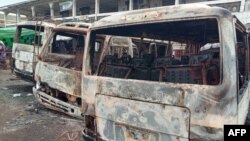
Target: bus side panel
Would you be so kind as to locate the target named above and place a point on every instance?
(24, 58)
(243, 105)
(124, 119)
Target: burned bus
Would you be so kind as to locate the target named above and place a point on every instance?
(30, 36)
(58, 72)
(58, 69)
(166, 97)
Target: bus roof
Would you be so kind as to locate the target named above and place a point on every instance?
(75, 24)
(186, 11)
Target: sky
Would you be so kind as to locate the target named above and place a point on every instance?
(7, 2)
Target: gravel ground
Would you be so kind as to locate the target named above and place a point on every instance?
(23, 119)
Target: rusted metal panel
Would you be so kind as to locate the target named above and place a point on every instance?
(63, 79)
(208, 115)
(199, 99)
(58, 74)
(158, 119)
(71, 29)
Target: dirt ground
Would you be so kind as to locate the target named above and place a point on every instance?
(23, 119)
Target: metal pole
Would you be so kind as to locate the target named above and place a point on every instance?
(131, 5)
(5, 18)
(51, 6)
(97, 8)
(17, 16)
(74, 9)
(177, 2)
(33, 10)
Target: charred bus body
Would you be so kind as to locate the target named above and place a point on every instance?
(25, 51)
(165, 98)
(58, 72)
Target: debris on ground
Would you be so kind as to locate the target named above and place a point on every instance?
(17, 95)
(22, 118)
(29, 94)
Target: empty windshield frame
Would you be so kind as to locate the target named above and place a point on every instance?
(116, 31)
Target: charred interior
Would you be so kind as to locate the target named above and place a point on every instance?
(176, 51)
(66, 50)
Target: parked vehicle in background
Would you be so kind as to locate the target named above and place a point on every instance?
(2, 55)
(7, 35)
(161, 97)
(27, 48)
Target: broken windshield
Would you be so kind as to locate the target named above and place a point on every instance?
(174, 52)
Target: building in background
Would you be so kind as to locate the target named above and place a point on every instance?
(91, 10)
(10, 19)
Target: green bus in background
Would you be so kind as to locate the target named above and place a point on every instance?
(7, 35)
